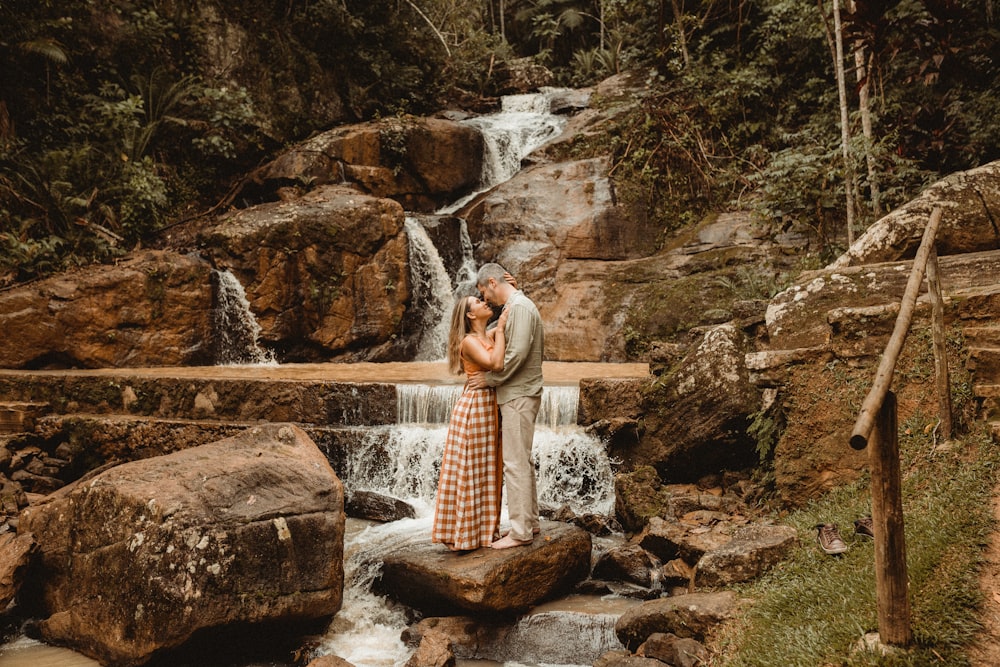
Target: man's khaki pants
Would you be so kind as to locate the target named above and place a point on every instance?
(518, 428)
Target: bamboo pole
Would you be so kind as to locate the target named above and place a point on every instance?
(883, 377)
(887, 523)
(941, 378)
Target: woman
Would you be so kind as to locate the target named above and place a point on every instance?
(467, 505)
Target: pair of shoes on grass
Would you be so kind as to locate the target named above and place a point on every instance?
(832, 543)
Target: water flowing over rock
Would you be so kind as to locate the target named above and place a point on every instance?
(82, 319)
(325, 273)
(143, 556)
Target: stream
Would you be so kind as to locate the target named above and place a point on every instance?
(573, 468)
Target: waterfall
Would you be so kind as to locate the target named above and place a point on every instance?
(432, 404)
(432, 293)
(403, 461)
(522, 125)
(236, 329)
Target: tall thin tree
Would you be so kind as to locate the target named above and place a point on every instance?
(845, 131)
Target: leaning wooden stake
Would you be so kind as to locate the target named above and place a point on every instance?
(883, 377)
(940, 346)
(887, 523)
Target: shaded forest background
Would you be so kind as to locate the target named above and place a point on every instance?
(118, 118)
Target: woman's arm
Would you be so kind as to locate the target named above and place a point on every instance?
(488, 359)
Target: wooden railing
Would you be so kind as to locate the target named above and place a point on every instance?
(876, 428)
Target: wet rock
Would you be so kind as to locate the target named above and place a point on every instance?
(673, 650)
(629, 563)
(671, 539)
(640, 496)
(435, 650)
(611, 657)
(753, 550)
(430, 578)
(329, 661)
(548, 635)
(375, 506)
(15, 555)
(325, 274)
(677, 574)
(693, 615)
(626, 659)
(595, 524)
(468, 635)
(83, 318)
(243, 531)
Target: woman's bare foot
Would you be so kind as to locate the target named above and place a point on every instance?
(507, 542)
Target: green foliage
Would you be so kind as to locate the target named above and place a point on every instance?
(765, 429)
(740, 108)
(813, 609)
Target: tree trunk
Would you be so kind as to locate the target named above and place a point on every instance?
(845, 132)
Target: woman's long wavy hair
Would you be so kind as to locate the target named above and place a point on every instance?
(460, 327)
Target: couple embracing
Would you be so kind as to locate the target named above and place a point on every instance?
(486, 446)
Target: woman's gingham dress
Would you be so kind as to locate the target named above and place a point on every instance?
(467, 504)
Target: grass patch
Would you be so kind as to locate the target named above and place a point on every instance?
(813, 609)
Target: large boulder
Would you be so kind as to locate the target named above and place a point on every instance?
(83, 318)
(430, 578)
(139, 558)
(326, 274)
(693, 615)
(970, 205)
(423, 163)
(696, 415)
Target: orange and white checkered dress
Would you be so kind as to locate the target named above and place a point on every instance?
(467, 503)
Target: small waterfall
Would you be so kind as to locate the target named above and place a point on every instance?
(573, 468)
(236, 329)
(432, 293)
(432, 404)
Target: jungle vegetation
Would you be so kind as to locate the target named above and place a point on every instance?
(119, 117)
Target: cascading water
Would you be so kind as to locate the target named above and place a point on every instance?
(524, 123)
(236, 328)
(402, 461)
(432, 292)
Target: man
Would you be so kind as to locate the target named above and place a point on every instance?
(519, 393)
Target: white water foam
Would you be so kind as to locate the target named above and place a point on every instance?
(237, 332)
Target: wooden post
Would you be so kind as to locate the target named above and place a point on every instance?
(891, 581)
(883, 376)
(940, 345)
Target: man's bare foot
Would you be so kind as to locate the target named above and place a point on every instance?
(534, 531)
(507, 542)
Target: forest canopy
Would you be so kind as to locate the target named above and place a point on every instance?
(118, 118)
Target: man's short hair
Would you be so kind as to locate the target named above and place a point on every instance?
(490, 270)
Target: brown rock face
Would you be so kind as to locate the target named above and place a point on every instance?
(697, 414)
(142, 556)
(423, 163)
(152, 310)
(325, 274)
(429, 577)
